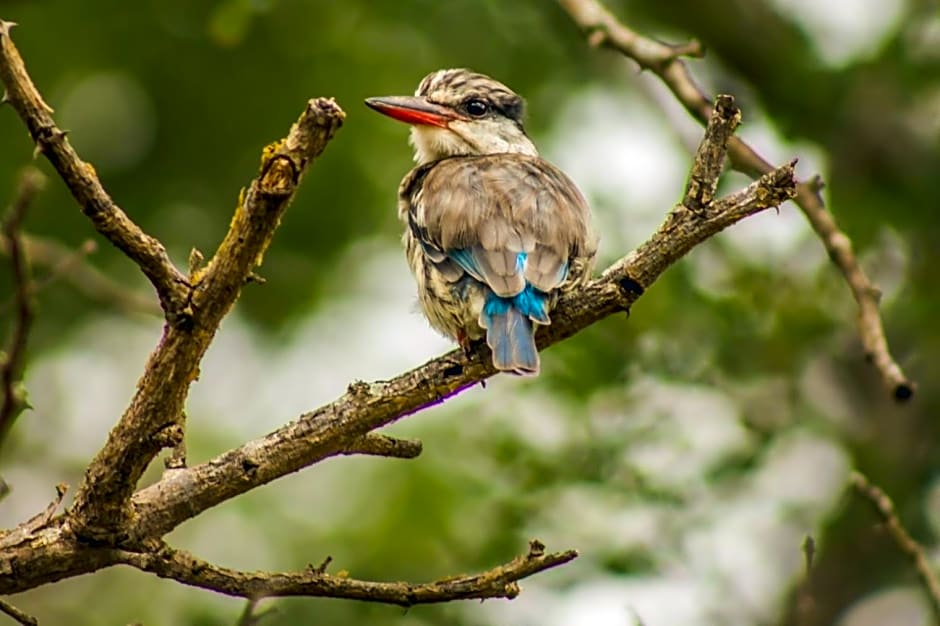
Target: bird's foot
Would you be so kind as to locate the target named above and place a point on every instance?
(467, 344)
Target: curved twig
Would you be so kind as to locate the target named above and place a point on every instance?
(499, 582)
(884, 507)
(603, 29)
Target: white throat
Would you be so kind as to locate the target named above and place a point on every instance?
(432, 143)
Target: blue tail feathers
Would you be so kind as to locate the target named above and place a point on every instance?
(509, 329)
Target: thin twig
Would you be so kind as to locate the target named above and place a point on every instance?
(73, 266)
(12, 398)
(499, 582)
(36, 522)
(80, 177)
(22, 618)
(249, 617)
(603, 29)
(805, 603)
(884, 507)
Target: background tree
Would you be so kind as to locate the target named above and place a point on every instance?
(685, 452)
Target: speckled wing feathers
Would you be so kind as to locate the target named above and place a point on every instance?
(494, 207)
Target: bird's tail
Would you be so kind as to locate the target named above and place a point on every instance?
(510, 333)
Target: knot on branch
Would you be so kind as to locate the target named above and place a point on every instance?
(278, 176)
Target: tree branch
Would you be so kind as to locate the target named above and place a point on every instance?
(154, 418)
(72, 266)
(13, 399)
(499, 582)
(343, 426)
(106, 526)
(80, 177)
(603, 29)
(332, 428)
(884, 507)
(710, 156)
(21, 618)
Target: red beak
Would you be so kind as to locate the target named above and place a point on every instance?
(413, 110)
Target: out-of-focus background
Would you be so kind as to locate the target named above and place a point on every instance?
(686, 452)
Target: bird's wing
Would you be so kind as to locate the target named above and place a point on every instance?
(506, 219)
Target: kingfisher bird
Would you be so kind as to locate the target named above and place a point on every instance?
(493, 232)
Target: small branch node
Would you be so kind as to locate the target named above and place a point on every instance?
(254, 277)
(196, 261)
(692, 49)
(320, 569)
(596, 37)
(377, 444)
(536, 549)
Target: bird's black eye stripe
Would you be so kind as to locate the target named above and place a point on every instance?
(476, 107)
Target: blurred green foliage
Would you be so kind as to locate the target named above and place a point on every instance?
(172, 101)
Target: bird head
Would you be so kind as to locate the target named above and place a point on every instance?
(460, 113)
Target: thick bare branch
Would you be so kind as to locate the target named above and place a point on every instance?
(80, 177)
(332, 428)
(12, 399)
(884, 507)
(154, 418)
(603, 29)
(499, 582)
(344, 426)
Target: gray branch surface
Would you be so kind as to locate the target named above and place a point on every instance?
(110, 524)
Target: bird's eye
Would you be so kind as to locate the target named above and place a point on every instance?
(476, 108)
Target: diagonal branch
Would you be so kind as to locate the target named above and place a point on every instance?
(884, 507)
(80, 177)
(21, 617)
(12, 399)
(332, 428)
(54, 552)
(603, 29)
(154, 418)
(499, 582)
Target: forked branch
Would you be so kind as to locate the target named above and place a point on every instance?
(80, 177)
(109, 524)
(603, 29)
